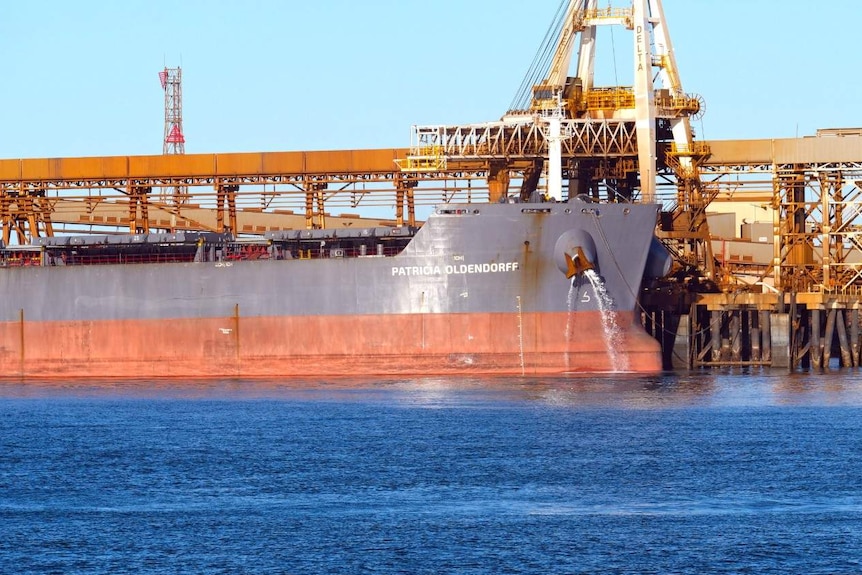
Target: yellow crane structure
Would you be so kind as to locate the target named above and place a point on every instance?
(623, 139)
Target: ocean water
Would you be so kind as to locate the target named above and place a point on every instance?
(734, 472)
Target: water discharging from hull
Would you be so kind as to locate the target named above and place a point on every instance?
(570, 301)
(612, 333)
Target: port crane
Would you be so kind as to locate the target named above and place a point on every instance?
(623, 140)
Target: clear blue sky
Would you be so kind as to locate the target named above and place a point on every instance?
(81, 78)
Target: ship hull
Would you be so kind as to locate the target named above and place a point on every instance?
(521, 289)
(254, 347)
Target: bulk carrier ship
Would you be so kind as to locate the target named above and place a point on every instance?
(527, 285)
(504, 288)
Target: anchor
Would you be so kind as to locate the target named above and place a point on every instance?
(577, 264)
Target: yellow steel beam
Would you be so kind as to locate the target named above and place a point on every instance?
(267, 166)
(809, 150)
(225, 167)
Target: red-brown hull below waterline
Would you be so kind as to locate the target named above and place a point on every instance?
(256, 347)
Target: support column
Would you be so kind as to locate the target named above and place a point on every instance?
(321, 207)
(765, 337)
(854, 336)
(681, 358)
(314, 197)
(530, 183)
(828, 336)
(139, 216)
(404, 195)
(754, 335)
(219, 208)
(226, 197)
(735, 336)
(498, 181)
(815, 350)
(399, 204)
(411, 204)
(309, 207)
(133, 212)
(231, 208)
(715, 334)
(793, 331)
(648, 321)
(6, 215)
(844, 345)
(779, 328)
(579, 179)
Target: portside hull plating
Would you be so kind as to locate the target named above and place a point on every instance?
(476, 290)
(530, 344)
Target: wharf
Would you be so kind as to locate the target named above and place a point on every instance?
(809, 330)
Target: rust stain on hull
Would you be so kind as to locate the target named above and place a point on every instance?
(257, 347)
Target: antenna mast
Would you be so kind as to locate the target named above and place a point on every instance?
(172, 84)
(174, 140)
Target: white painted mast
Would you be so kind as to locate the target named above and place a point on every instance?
(645, 112)
(587, 51)
(555, 157)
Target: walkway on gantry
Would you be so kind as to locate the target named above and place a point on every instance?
(194, 191)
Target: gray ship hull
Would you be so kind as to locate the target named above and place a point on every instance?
(478, 289)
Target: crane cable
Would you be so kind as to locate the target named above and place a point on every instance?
(540, 65)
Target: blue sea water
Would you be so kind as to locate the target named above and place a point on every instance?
(736, 472)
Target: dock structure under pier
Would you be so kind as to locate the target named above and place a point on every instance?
(817, 331)
(795, 302)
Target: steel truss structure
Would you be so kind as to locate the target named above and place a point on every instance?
(819, 222)
(814, 187)
(238, 193)
(525, 140)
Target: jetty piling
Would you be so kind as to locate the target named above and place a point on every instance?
(816, 331)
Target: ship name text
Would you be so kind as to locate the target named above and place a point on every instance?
(486, 268)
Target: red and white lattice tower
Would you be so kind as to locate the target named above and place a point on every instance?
(172, 83)
(175, 141)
